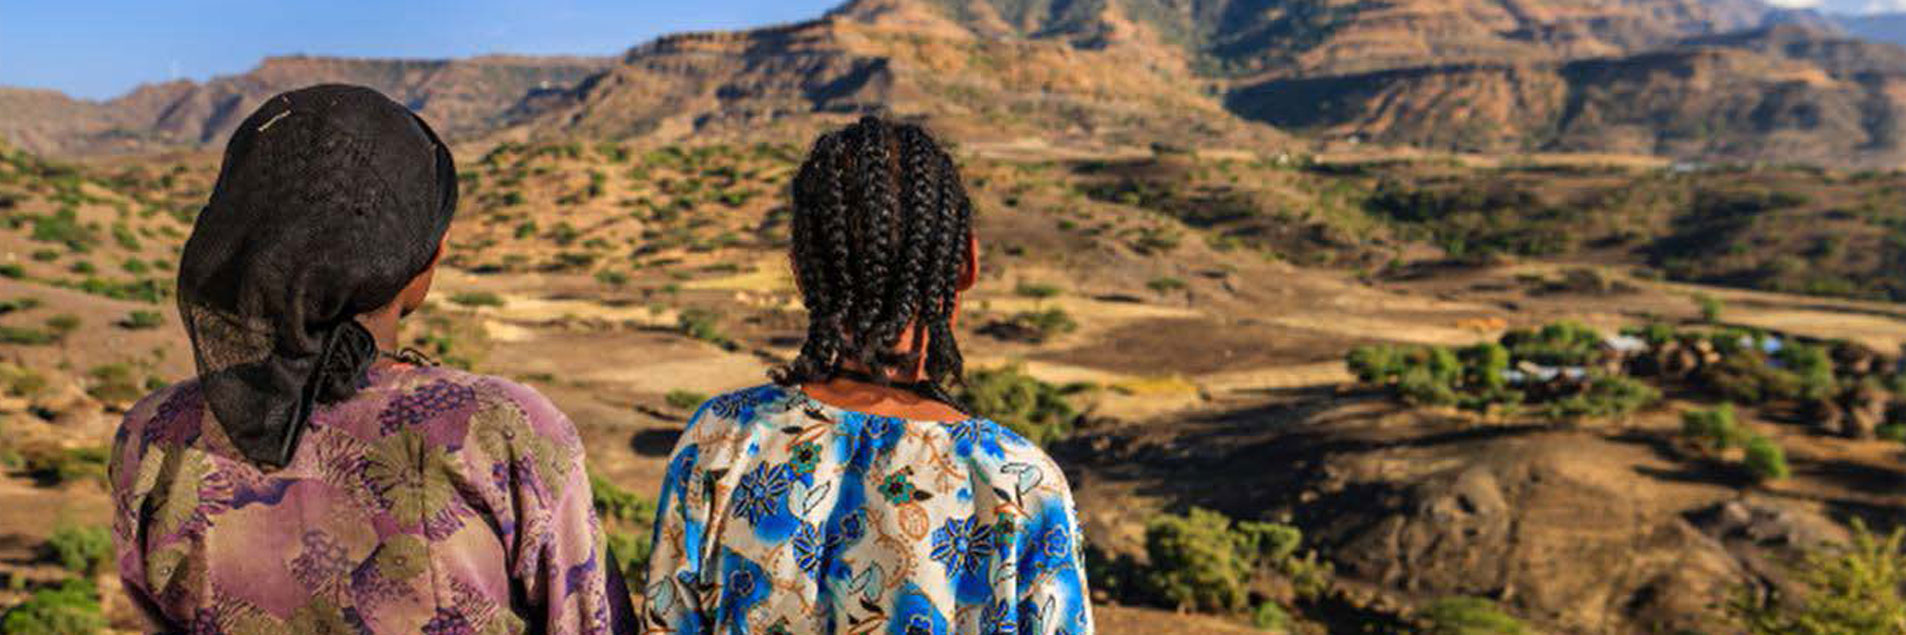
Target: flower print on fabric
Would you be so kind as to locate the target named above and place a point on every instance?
(423, 468)
(783, 514)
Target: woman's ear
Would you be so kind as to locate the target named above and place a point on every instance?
(970, 276)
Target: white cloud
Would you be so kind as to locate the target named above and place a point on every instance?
(1795, 4)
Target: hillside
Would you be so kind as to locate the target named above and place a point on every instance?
(460, 97)
(1785, 94)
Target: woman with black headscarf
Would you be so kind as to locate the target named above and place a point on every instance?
(310, 479)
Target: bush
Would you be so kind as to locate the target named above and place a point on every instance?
(81, 550)
(1469, 616)
(24, 336)
(1606, 397)
(612, 502)
(1711, 307)
(1035, 409)
(477, 299)
(1814, 368)
(685, 399)
(1270, 616)
(1559, 344)
(62, 325)
(618, 507)
(116, 383)
(1714, 430)
(1166, 285)
(1748, 379)
(72, 608)
(12, 271)
(701, 324)
(63, 227)
(1046, 324)
(612, 278)
(54, 466)
(1849, 589)
(1037, 290)
(1765, 460)
(140, 320)
(1203, 561)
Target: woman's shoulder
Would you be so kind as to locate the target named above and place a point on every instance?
(1002, 453)
(489, 401)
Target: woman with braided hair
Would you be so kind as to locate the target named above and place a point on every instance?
(854, 494)
(312, 479)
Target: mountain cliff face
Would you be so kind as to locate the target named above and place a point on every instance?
(460, 97)
(1783, 94)
(894, 57)
(1697, 79)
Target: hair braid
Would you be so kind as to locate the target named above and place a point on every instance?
(878, 238)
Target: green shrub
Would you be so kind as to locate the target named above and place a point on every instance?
(19, 304)
(62, 325)
(1037, 290)
(1765, 460)
(116, 383)
(1203, 561)
(25, 336)
(684, 399)
(1853, 588)
(612, 502)
(477, 299)
(1748, 379)
(54, 466)
(83, 267)
(1048, 323)
(701, 324)
(612, 278)
(45, 255)
(1469, 616)
(12, 271)
(1270, 616)
(141, 320)
(1715, 429)
(1559, 344)
(72, 608)
(1814, 368)
(1166, 285)
(1711, 307)
(81, 550)
(134, 266)
(1607, 397)
(63, 227)
(1032, 408)
(525, 230)
(20, 381)
(123, 235)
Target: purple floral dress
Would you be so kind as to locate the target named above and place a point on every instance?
(434, 501)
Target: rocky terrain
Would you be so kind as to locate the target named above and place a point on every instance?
(1587, 376)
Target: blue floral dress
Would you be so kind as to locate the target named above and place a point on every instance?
(780, 514)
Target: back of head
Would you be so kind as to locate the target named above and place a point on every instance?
(330, 200)
(881, 225)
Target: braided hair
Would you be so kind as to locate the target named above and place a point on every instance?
(880, 228)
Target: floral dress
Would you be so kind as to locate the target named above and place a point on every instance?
(434, 501)
(780, 514)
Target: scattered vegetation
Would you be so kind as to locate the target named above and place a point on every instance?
(628, 520)
(83, 551)
(72, 608)
(1469, 616)
(1034, 409)
(1854, 588)
(142, 320)
(680, 399)
(475, 299)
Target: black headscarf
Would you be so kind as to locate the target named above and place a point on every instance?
(331, 200)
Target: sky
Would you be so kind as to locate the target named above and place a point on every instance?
(100, 49)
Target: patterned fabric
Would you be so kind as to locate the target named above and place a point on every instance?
(434, 501)
(780, 514)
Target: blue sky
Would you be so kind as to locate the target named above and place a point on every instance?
(102, 48)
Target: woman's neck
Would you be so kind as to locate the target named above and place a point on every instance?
(382, 324)
(875, 399)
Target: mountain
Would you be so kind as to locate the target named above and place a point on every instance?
(1779, 94)
(460, 97)
(1319, 37)
(898, 57)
